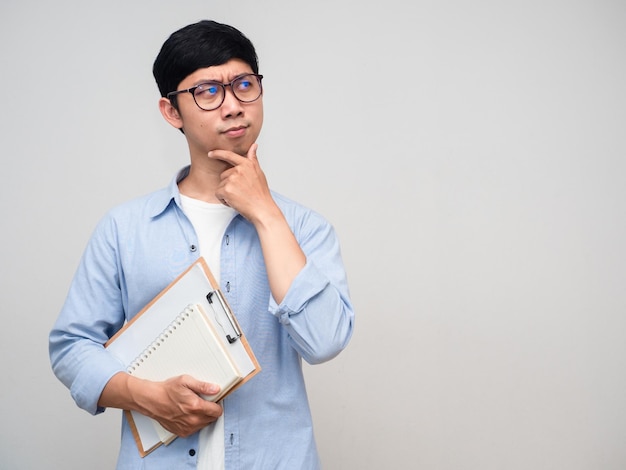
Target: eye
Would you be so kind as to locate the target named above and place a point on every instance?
(207, 90)
(244, 84)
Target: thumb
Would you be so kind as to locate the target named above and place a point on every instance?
(203, 388)
(252, 151)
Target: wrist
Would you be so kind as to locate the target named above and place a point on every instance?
(268, 219)
(126, 392)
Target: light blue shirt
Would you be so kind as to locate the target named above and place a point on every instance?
(141, 246)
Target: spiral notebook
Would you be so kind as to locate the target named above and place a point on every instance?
(189, 345)
(188, 328)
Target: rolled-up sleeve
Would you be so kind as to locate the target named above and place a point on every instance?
(91, 314)
(317, 312)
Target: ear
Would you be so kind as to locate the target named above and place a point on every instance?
(170, 113)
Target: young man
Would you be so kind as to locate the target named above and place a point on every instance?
(279, 265)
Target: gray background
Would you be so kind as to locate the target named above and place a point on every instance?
(469, 154)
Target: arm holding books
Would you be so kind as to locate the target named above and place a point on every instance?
(174, 403)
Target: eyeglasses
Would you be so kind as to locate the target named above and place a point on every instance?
(210, 95)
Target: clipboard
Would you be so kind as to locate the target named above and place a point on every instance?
(194, 290)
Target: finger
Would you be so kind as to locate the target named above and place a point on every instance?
(252, 152)
(226, 156)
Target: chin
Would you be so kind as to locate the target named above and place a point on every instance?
(242, 149)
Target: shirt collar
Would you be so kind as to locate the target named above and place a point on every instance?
(162, 199)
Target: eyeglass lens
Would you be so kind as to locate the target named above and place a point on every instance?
(210, 95)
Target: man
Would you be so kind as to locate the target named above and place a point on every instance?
(278, 263)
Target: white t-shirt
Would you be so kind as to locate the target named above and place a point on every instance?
(210, 222)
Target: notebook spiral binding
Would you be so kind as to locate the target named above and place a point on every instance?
(171, 328)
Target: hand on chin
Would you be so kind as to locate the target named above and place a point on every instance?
(238, 148)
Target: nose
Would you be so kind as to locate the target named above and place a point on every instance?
(231, 107)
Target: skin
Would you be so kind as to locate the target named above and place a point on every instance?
(224, 169)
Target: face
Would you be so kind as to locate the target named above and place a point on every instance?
(234, 126)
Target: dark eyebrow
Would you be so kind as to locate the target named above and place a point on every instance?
(203, 81)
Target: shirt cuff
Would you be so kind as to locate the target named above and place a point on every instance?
(307, 284)
(91, 380)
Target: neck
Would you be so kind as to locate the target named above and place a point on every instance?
(203, 180)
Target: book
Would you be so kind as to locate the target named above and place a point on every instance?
(189, 345)
(188, 328)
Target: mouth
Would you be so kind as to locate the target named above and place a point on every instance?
(235, 131)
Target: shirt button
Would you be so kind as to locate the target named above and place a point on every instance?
(228, 286)
(192, 452)
(193, 247)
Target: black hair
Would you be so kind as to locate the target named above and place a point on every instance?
(199, 45)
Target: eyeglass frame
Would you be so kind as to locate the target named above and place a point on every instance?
(223, 85)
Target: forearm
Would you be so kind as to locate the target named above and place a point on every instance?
(126, 392)
(314, 304)
(284, 258)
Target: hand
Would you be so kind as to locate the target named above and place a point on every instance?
(243, 186)
(176, 404)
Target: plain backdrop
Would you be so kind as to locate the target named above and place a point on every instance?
(471, 156)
